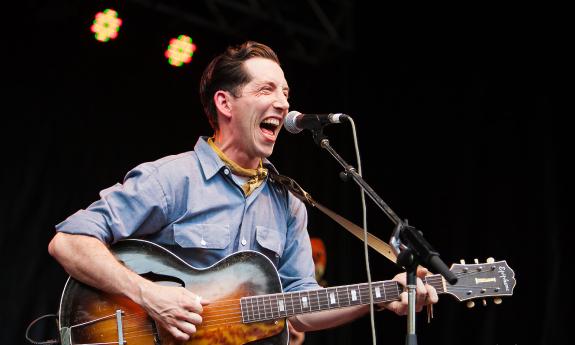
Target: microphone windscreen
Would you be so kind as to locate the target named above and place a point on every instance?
(290, 122)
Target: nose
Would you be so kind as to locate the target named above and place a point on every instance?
(281, 101)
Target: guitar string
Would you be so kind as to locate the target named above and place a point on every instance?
(270, 309)
(227, 321)
(226, 303)
(218, 322)
(209, 310)
(238, 319)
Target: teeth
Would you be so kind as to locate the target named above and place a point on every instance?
(272, 121)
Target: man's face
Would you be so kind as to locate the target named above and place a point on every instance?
(260, 108)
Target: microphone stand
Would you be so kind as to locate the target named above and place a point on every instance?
(407, 242)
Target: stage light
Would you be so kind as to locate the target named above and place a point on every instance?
(180, 50)
(106, 25)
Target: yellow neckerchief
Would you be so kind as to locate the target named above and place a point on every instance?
(256, 176)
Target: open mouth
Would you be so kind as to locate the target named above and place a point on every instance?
(270, 126)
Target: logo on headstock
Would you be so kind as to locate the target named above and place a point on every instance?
(503, 276)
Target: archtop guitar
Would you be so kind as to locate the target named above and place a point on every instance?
(247, 302)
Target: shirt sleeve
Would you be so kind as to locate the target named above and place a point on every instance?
(136, 207)
(296, 267)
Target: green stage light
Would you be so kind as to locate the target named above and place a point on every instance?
(180, 50)
(106, 25)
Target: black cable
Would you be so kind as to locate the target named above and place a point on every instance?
(51, 341)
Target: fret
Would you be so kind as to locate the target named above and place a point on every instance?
(317, 299)
(242, 309)
(274, 306)
(323, 299)
(278, 299)
(365, 292)
(286, 304)
(392, 290)
(295, 302)
(263, 304)
(249, 306)
(340, 298)
(354, 295)
(258, 305)
(344, 296)
(348, 295)
(378, 292)
(359, 291)
(281, 306)
(305, 301)
(299, 301)
(385, 296)
(268, 305)
(331, 298)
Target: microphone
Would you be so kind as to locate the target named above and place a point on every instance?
(295, 121)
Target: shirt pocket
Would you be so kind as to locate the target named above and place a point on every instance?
(205, 236)
(271, 240)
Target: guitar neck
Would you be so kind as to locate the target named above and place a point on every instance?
(282, 305)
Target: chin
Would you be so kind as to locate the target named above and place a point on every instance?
(266, 152)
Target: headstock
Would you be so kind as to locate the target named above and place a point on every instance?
(480, 280)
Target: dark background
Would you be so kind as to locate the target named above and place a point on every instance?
(459, 120)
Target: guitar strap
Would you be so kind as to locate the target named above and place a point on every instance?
(374, 242)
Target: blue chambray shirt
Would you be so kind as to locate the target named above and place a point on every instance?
(190, 204)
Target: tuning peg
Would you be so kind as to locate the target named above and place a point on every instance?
(484, 302)
(476, 261)
(470, 304)
(490, 260)
(462, 261)
(497, 300)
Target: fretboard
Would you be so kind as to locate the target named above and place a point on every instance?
(282, 305)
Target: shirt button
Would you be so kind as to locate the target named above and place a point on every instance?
(226, 171)
(244, 242)
(203, 243)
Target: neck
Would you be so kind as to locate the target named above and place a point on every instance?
(274, 306)
(234, 153)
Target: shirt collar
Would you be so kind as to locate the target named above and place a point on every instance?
(210, 162)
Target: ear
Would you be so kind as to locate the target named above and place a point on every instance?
(222, 102)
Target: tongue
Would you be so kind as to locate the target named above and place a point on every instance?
(267, 131)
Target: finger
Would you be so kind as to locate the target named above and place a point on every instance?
(397, 307)
(421, 295)
(187, 327)
(422, 271)
(403, 298)
(204, 301)
(400, 278)
(192, 302)
(421, 290)
(176, 333)
(431, 294)
(190, 317)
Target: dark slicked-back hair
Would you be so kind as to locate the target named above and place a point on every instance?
(226, 72)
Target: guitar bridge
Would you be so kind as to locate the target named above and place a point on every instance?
(119, 314)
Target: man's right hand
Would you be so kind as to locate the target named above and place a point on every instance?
(176, 309)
